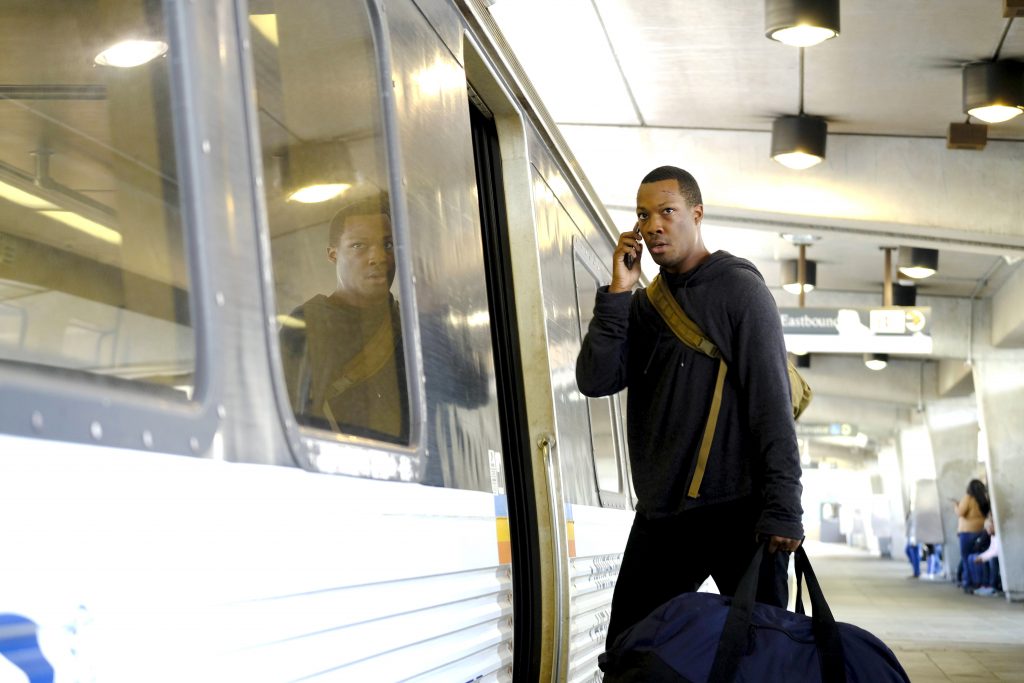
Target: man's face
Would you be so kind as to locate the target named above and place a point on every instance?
(670, 227)
(364, 260)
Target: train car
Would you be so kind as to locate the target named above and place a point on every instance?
(290, 299)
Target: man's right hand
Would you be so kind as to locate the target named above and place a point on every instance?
(623, 278)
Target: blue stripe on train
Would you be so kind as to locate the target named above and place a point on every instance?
(19, 644)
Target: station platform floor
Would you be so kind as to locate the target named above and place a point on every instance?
(938, 632)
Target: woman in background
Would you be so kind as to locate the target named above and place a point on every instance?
(971, 512)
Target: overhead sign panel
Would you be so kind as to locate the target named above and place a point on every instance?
(826, 429)
(892, 329)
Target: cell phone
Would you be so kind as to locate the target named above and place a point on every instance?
(628, 259)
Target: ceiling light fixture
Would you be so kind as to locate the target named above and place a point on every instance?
(917, 262)
(801, 23)
(876, 361)
(318, 171)
(904, 294)
(798, 142)
(129, 53)
(994, 90)
(791, 276)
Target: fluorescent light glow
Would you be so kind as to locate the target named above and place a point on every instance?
(917, 272)
(996, 113)
(83, 224)
(803, 36)
(29, 201)
(798, 161)
(876, 361)
(129, 53)
(314, 194)
(266, 24)
(595, 92)
(794, 287)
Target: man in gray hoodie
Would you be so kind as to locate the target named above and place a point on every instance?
(692, 523)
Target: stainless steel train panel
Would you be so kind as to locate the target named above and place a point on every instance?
(447, 22)
(446, 252)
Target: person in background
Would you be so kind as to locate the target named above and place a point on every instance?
(913, 549)
(971, 511)
(986, 564)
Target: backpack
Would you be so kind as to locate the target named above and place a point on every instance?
(690, 334)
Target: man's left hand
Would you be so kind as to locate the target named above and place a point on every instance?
(776, 543)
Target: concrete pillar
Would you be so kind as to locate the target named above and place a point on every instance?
(953, 426)
(999, 379)
(892, 487)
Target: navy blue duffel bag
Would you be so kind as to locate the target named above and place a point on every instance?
(698, 637)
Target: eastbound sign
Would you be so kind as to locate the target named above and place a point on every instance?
(825, 429)
(893, 329)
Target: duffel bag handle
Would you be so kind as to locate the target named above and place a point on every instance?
(733, 644)
(823, 624)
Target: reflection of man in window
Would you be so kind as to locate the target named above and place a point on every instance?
(344, 366)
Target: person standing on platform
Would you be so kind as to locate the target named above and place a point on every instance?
(971, 511)
(985, 565)
(913, 549)
(699, 513)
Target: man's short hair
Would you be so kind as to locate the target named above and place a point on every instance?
(376, 205)
(688, 186)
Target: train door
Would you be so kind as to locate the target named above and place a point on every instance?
(522, 503)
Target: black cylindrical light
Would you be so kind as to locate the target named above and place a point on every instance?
(994, 91)
(801, 23)
(917, 262)
(803, 360)
(904, 295)
(798, 142)
(790, 270)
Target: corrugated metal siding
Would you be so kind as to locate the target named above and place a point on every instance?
(451, 627)
(591, 581)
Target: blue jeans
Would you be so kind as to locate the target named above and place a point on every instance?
(967, 539)
(914, 555)
(935, 560)
(977, 572)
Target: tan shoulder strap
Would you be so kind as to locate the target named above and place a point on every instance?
(677, 320)
(374, 355)
(691, 335)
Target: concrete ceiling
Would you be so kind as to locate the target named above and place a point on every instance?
(697, 84)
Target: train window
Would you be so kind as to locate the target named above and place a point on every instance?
(603, 411)
(94, 278)
(331, 242)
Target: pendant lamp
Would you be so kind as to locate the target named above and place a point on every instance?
(917, 263)
(876, 361)
(317, 171)
(994, 90)
(801, 23)
(798, 142)
(791, 278)
(904, 295)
